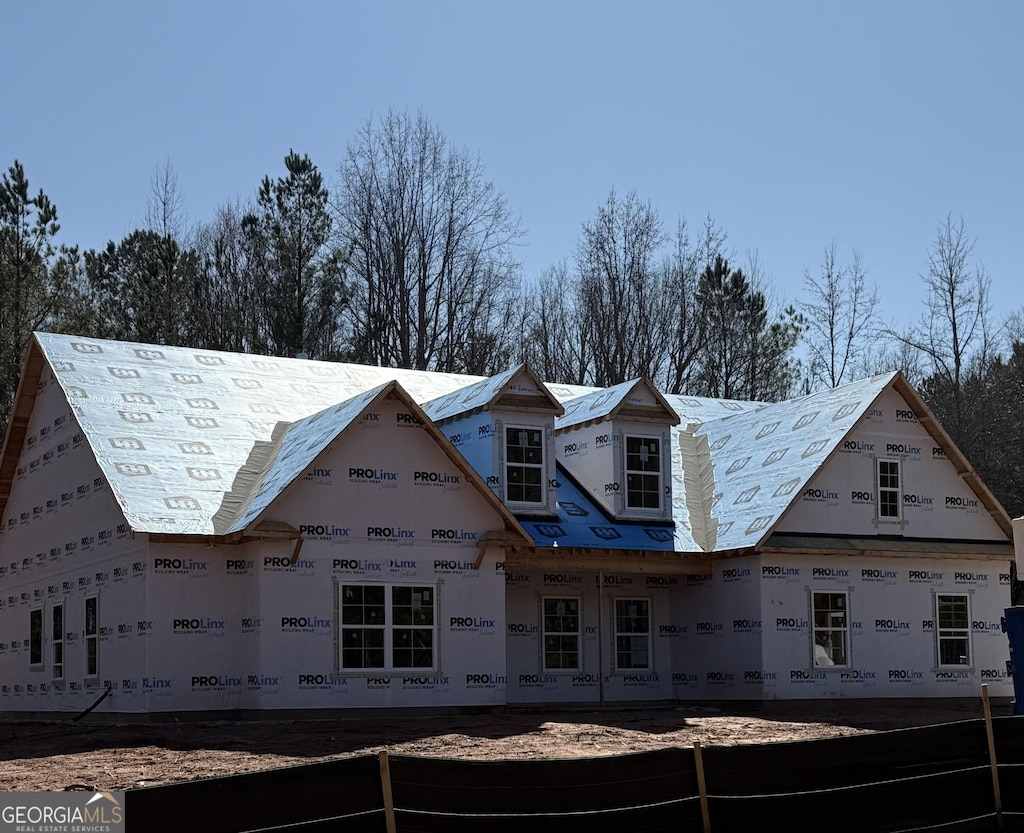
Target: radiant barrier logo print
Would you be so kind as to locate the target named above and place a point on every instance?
(69, 812)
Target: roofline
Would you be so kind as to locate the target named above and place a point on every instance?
(967, 472)
(928, 421)
(886, 547)
(395, 388)
(556, 406)
(674, 418)
(589, 559)
(32, 364)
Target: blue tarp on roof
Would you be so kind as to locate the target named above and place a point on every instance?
(580, 523)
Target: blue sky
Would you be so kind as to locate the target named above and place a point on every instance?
(792, 124)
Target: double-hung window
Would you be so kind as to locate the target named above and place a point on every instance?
(632, 633)
(889, 486)
(831, 629)
(387, 628)
(91, 633)
(57, 640)
(35, 638)
(524, 465)
(953, 628)
(643, 473)
(412, 629)
(561, 634)
(363, 624)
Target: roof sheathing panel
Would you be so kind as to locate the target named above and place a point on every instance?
(636, 398)
(763, 458)
(516, 387)
(171, 427)
(273, 466)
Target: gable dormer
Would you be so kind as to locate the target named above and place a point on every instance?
(505, 428)
(616, 443)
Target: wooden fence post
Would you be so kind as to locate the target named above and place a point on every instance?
(992, 754)
(702, 787)
(385, 787)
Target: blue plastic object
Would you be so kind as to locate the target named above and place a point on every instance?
(1013, 627)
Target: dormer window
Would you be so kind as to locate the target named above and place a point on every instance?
(524, 465)
(504, 427)
(643, 473)
(615, 443)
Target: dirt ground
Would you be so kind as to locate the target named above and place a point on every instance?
(53, 756)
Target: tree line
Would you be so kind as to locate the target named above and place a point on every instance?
(409, 260)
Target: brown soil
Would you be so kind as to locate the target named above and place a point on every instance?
(52, 756)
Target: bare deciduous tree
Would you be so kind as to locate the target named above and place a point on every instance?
(234, 314)
(165, 209)
(431, 242)
(622, 293)
(688, 324)
(954, 336)
(840, 318)
(556, 343)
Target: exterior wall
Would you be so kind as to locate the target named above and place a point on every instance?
(594, 455)
(590, 454)
(718, 647)
(745, 632)
(936, 503)
(473, 436)
(246, 627)
(529, 682)
(64, 540)
(191, 627)
(892, 627)
(196, 598)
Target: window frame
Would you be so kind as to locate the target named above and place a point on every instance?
(881, 490)
(362, 626)
(953, 633)
(91, 638)
(524, 465)
(389, 628)
(57, 641)
(631, 634)
(822, 636)
(412, 628)
(561, 634)
(643, 473)
(36, 629)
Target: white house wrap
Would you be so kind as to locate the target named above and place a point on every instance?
(212, 533)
